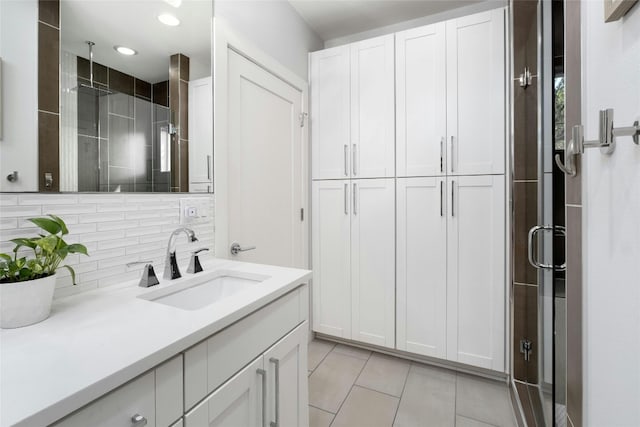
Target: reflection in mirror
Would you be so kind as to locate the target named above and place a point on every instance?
(133, 97)
(126, 77)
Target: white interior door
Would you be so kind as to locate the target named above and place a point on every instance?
(421, 122)
(476, 271)
(266, 177)
(373, 261)
(422, 266)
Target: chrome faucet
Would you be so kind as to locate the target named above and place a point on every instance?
(171, 270)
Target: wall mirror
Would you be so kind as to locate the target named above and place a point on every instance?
(132, 97)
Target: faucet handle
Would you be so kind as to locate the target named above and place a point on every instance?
(194, 264)
(149, 277)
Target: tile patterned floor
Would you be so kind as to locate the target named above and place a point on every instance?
(351, 387)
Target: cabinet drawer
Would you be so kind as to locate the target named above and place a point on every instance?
(213, 361)
(156, 395)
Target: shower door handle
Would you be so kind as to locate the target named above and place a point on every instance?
(559, 230)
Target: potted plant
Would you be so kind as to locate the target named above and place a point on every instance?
(27, 285)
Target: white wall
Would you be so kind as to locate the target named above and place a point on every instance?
(611, 204)
(273, 26)
(19, 136)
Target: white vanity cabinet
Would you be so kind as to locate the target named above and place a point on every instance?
(154, 398)
(270, 390)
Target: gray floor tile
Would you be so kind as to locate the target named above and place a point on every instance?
(352, 351)
(319, 418)
(429, 398)
(469, 422)
(484, 400)
(318, 350)
(366, 408)
(385, 374)
(330, 383)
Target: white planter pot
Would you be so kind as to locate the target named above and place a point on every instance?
(26, 303)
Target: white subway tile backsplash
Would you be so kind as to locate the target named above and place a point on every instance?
(115, 228)
(47, 199)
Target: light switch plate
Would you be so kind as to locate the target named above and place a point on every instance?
(194, 210)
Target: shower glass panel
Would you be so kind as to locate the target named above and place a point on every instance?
(127, 137)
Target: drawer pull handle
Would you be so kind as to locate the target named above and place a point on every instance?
(263, 374)
(138, 421)
(276, 375)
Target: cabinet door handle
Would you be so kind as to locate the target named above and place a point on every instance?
(138, 421)
(346, 160)
(346, 199)
(442, 154)
(353, 159)
(453, 198)
(208, 167)
(263, 374)
(441, 198)
(451, 159)
(355, 202)
(276, 364)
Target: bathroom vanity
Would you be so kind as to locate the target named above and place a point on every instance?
(225, 345)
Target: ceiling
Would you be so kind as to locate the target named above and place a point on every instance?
(331, 19)
(134, 24)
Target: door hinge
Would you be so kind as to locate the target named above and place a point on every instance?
(525, 348)
(301, 117)
(302, 214)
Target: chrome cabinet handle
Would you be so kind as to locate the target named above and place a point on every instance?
(353, 159)
(355, 202)
(346, 160)
(236, 248)
(346, 199)
(276, 364)
(451, 159)
(263, 374)
(442, 154)
(441, 197)
(138, 421)
(453, 198)
(208, 167)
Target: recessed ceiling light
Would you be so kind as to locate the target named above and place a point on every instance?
(125, 50)
(174, 3)
(168, 19)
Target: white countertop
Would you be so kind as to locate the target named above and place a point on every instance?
(98, 340)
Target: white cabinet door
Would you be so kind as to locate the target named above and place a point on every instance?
(373, 261)
(117, 408)
(476, 276)
(287, 391)
(201, 133)
(420, 101)
(331, 258)
(476, 77)
(421, 266)
(238, 402)
(372, 108)
(329, 116)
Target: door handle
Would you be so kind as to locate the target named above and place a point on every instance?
(441, 197)
(346, 199)
(346, 160)
(355, 202)
(558, 230)
(263, 375)
(236, 248)
(276, 364)
(353, 159)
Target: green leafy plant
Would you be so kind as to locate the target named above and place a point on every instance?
(49, 250)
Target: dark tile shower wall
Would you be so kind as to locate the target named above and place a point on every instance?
(48, 93)
(115, 130)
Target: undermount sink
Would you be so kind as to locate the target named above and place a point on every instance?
(205, 290)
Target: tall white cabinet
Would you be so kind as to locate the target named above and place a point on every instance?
(413, 259)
